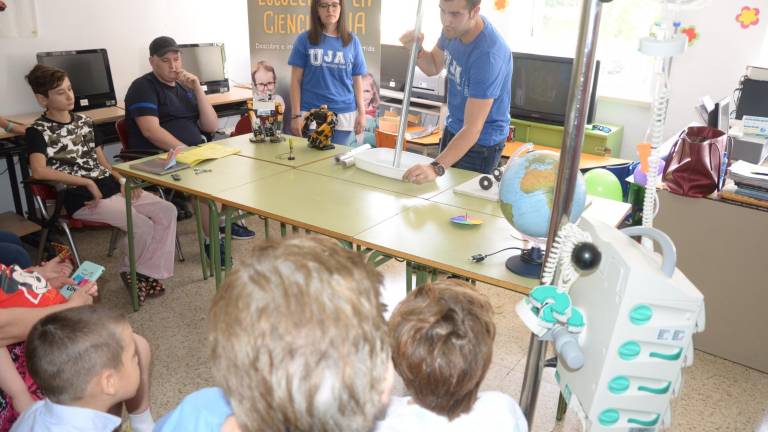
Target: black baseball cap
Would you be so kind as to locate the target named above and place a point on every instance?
(162, 45)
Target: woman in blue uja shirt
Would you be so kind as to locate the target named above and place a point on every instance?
(327, 69)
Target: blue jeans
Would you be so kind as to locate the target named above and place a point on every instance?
(343, 137)
(12, 252)
(482, 159)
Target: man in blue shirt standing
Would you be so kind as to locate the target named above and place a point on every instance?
(479, 66)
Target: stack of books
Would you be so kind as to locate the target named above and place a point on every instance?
(749, 184)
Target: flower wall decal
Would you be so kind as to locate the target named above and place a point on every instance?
(691, 33)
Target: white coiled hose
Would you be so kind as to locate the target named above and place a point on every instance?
(659, 117)
(567, 238)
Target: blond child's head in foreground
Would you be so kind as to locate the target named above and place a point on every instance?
(442, 343)
(84, 356)
(298, 339)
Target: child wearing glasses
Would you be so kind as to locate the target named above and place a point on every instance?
(327, 69)
(264, 81)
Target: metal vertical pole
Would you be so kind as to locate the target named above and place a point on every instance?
(582, 77)
(407, 91)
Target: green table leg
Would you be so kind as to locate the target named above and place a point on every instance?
(131, 247)
(378, 259)
(295, 229)
(421, 275)
(283, 230)
(201, 239)
(266, 227)
(215, 253)
(227, 238)
(408, 277)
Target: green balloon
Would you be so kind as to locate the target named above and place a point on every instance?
(602, 183)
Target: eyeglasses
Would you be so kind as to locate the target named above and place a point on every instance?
(327, 6)
(265, 85)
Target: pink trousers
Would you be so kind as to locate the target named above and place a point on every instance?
(154, 230)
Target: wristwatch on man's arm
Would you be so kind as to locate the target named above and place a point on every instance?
(438, 167)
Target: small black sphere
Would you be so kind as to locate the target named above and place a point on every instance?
(586, 256)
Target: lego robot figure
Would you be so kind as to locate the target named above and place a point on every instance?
(325, 124)
(267, 124)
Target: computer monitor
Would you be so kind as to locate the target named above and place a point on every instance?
(207, 61)
(89, 73)
(723, 110)
(394, 71)
(716, 114)
(541, 86)
(752, 99)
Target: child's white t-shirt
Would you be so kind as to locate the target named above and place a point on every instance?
(493, 411)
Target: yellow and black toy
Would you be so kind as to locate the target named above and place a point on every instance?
(325, 124)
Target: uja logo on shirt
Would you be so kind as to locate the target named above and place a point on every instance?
(454, 74)
(321, 57)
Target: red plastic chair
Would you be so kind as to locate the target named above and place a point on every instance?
(44, 193)
(242, 127)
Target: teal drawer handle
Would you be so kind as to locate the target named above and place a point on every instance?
(645, 423)
(657, 390)
(671, 357)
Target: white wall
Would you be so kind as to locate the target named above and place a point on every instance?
(715, 63)
(124, 28)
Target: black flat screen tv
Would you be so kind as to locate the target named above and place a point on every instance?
(540, 88)
(89, 73)
(207, 61)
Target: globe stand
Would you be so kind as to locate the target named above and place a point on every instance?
(528, 263)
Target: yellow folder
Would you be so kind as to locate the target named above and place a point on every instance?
(195, 155)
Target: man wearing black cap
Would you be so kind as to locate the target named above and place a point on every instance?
(167, 107)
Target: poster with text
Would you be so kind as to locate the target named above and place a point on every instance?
(274, 26)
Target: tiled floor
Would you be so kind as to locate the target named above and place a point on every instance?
(717, 395)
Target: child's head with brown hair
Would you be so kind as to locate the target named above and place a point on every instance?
(442, 343)
(43, 79)
(52, 88)
(84, 355)
(298, 339)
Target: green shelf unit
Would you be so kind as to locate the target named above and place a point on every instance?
(595, 142)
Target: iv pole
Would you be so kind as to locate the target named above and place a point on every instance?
(573, 137)
(407, 90)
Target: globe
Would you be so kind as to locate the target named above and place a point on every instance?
(527, 190)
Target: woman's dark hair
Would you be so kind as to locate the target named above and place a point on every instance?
(316, 24)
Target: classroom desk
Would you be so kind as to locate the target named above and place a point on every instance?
(587, 161)
(98, 115)
(326, 205)
(278, 152)
(398, 224)
(453, 177)
(424, 234)
(226, 173)
(234, 95)
(230, 103)
(609, 211)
